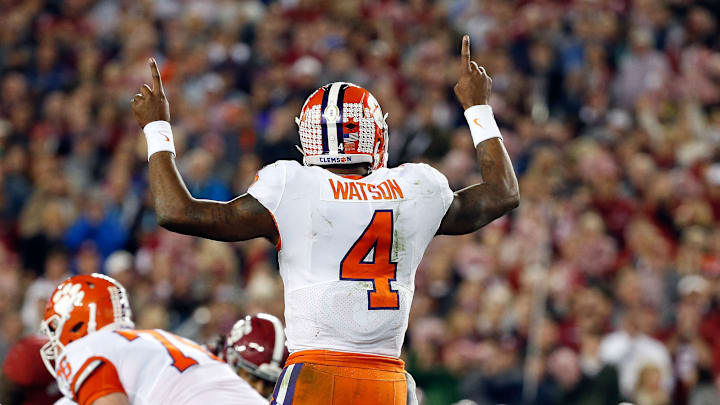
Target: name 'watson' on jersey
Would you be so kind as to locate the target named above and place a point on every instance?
(362, 191)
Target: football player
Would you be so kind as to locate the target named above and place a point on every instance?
(255, 348)
(101, 360)
(350, 232)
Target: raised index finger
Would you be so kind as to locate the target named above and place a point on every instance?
(157, 81)
(465, 56)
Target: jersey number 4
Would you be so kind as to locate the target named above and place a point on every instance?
(179, 360)
(378, 268)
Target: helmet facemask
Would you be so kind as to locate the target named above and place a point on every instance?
(50, 351)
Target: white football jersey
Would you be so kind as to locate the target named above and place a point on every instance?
(349, 249)
(153, 367)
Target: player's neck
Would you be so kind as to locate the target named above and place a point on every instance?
(353, 170)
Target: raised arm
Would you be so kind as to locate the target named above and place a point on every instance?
(240, 219)
(479, 204)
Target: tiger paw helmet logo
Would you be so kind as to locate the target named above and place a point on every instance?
(66, 298)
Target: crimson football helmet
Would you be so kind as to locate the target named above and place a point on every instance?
(256, 344)
(342, 123)
(81, 305)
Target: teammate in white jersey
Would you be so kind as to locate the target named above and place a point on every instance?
(350, 232)
(100, 360)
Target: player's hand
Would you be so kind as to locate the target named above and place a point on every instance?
(474, 85)
(151, 104)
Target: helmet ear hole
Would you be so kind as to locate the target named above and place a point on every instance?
(77, 327)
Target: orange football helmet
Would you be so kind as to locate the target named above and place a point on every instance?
(81, 305)
(342, 123)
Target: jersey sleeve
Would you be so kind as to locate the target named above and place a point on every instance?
(102, 381)
(269, 185)
(73, 369)
(85, 373)
(439, 185)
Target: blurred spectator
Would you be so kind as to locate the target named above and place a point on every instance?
(97, 227)
(119, 266)
(199, 178)
(25, 379)
(571, 384)
(643, 363)
(39, 291)
(643, 70)
(706, 394)
(649, 389)
(500, 378)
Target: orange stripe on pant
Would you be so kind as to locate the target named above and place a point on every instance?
(322, 377)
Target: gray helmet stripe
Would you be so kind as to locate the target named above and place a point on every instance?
(279, 346)
(332, 116)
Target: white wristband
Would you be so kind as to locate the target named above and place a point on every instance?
(482, 123)
(159, 138)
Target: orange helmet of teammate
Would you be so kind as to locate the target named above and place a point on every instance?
(81, 305)
(342, 123)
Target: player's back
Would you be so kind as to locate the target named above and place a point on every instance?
(350, 247)
(150, 367)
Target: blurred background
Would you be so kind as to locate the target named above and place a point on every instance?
(604, 285)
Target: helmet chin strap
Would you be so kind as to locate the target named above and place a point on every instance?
(302, 152)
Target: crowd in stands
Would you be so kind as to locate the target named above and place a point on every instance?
(603, 286)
